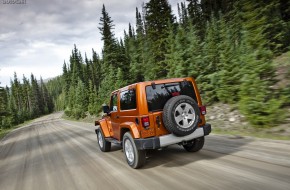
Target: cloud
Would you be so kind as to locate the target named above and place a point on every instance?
(39, 35)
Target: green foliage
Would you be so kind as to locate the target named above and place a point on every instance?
(284, 62)
(134, 49)
(258, 103)
(229, 74)
(265, 22)
(3, 108)
(92, 107)
(80, 101)
(227, 46)
(210, 64)
(196, 16)
(23, 101)
(106, 87)
(158, 18)
(120, 79)
(58, 88)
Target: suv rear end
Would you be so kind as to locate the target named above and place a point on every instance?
(153, 97)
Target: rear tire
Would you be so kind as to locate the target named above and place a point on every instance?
(104, 145)
(194, 145)
(135, 158)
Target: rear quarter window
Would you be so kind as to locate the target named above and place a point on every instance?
(128, 99)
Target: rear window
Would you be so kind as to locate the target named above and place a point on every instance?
(157, 98)
(128, 99)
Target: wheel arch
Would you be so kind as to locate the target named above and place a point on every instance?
(103, 126)
(129, 126)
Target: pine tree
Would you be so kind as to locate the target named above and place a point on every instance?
(17, 104)
(123, 59)
(208, 77)
(3, 108)
(183, 15)
(264, 22)
(37, 99)
(86, 72)
(170, 56)
(257, 100)
(106, 28)
(196, 17)
(76, 67)
(106, 87)
(47, 100)
(3, 102)
(110, 55)
(27, 98)
(286, 90)
(136, 50)
(16, 92)
(158, 19)
(120, 79)
(80, 101)
(57, 93)
(96, 69)
(234, 21)
(196, 49)
(22, 101)
(66, 78)
(229, 74)
(71, 102)
(215, 7)
(92, 107)
(181, 55)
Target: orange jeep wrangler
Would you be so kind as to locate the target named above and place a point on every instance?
(153, 115)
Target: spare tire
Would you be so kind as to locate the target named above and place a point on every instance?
(181, 115)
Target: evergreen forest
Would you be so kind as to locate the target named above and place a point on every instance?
(227, 46)
(23, 101)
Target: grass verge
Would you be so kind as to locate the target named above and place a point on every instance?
(87, 119)
(258, 133)
(4, 132)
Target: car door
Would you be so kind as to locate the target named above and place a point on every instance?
(114, 115)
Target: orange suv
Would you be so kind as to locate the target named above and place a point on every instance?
(153, 115)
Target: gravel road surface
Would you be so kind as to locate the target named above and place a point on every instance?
(52, 153)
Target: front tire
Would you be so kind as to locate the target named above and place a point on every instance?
(135, 158)
(194, 145)
(104, 145)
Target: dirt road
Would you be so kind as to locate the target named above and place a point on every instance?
(57, 154)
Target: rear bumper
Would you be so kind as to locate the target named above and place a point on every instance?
(165, 140)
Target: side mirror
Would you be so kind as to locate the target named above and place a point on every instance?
(106, 108)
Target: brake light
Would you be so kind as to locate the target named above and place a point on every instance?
(145, 121)
(202, 110)
(175, 94)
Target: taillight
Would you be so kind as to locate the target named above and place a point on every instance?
(175, 94)
(202, 110)
(145, 121)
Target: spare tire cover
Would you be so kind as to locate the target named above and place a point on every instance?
(181, 115)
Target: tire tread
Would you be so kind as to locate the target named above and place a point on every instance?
(167, 115)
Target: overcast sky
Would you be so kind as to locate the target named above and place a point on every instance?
(38, 36)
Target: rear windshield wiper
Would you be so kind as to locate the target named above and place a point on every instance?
(170, 85)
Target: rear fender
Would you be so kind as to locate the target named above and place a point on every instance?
(104, 126)
(132, 127)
